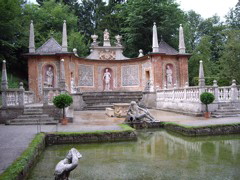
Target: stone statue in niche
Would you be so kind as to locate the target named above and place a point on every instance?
(107, 78)
(136, 113)
(106, 35)
(49, 77)
(65, 166)
(169, 76)
(73, 87)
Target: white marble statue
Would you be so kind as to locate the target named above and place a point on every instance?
(65, 166)
(73, 87)
(107, 77)
(106, 35)
(49, 77)
(169, 76)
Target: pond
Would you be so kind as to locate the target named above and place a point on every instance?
(157, 154)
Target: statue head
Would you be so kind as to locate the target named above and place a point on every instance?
(133, 103)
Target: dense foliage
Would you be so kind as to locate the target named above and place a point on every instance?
(207, 98)
(214, 41)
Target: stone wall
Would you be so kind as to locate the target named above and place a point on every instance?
(54, 112)
(149, 100)
(52, 139)
(126, 75)
(204, 131)
(10, 113)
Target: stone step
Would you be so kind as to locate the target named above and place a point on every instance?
(225, 115)
(98, 107)
(111, 93)
(228, 110)
(35, 123)
(110, 102)
(33, 110)
(32, 113)
(216, 112)
(32, 119)
(112, 98)
(39, 116)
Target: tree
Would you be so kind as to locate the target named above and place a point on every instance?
(202, 52)
(10, 10)
(138, 17)
(230, 59)
(191, 30)
(233, 17)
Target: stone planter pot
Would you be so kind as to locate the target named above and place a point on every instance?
(207, 115)
(64, 121)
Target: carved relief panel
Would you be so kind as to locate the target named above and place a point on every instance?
(107, 55)
(130, 75)
(86, 75)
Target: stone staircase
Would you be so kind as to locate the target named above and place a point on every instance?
(226, 110)
(33, 115)
(102, 100)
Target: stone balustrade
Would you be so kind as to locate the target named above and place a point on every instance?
(188, 98)
(16, 97)
(192, 94)
(28, 97)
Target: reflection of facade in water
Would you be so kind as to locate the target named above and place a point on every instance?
(187, 145)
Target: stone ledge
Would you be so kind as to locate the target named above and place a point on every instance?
(145, 125)
(223, 129)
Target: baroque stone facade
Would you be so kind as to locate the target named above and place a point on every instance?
(106, 68)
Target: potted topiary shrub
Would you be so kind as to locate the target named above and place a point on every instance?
(207, 98)
(62, 101)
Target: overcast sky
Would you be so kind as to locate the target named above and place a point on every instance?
(207, 8)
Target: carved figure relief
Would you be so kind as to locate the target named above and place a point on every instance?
(49, 76)
(130, 75)
(85, 75)
(107, 55)
(107, 77)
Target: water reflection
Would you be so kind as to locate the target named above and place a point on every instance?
(156, 155)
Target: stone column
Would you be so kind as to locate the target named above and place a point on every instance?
(201, 80)
(21, 95)
(62, 81)
(4, 84)
(216, 90)
(155, 46)
(182, 47)
(234, 92)
(64, 37)
(45, 96)
(31, 39)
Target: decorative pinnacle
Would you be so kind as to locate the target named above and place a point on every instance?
(64, 21)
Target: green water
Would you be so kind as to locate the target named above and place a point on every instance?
(156, 155)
